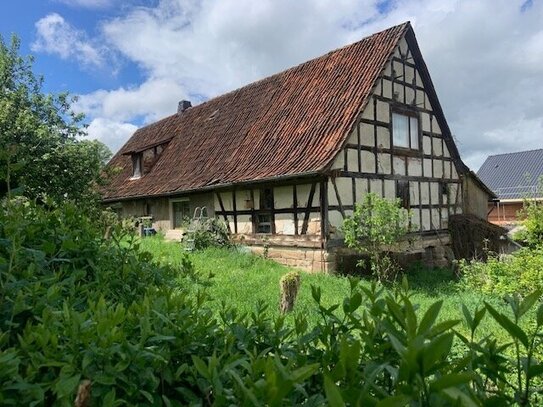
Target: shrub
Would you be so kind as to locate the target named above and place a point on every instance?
(375, 224)
(52, 255)
(519, 273)
(163, 346)
(532, 215)
(207, 233)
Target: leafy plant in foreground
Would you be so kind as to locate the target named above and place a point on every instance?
(86, 308)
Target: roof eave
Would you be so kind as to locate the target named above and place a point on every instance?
(228, 185)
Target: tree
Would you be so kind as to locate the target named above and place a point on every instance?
(43, 151)
(376, 224)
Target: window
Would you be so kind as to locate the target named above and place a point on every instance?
(405, 131)
(264, 219)
(181, 213)
(264, 223)
(136, 166)
(402, 192)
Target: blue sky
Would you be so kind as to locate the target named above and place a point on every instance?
(132, 61)
(20, 17)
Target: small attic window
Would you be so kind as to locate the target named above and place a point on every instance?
(136, 166)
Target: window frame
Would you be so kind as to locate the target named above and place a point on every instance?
(137, 162)
(264, 211)
(410, 114)
(173, 202)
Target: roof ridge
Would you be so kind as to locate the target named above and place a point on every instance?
(405, 25)
(515, 152)
(327, 54)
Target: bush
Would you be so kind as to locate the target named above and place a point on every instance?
(66, 320)
(376, 224)
(532, 233)
(519, 273)
(208, 233)
(52, 255)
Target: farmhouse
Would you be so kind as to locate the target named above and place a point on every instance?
(284, 160)
(513, 177)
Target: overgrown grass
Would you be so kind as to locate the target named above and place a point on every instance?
(242, 280)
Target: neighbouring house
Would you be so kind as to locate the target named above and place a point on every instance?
(513, 177)
(283, 160)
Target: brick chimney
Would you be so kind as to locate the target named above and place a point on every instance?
(183, 105)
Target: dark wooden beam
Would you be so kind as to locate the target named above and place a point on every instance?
(324, 211)
(338, 198)
(235, 211)
(351, 207)
(371, 175)
(272, 210)
(252, 211)
(397, 151)
(295, 207)
(223, 211)
(308, 210)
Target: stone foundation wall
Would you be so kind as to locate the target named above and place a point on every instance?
(313, 260)
(433, 251)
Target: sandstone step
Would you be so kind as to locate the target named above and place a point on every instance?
(174, 234)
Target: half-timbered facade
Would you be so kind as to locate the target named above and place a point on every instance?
(284, 160)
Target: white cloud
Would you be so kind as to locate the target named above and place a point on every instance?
(112, 133)
(151, 101)
(485, 57)
(56, 36)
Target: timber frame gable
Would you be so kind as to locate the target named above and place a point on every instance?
(370, 161)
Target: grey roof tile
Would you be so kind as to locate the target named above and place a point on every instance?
(513, 175)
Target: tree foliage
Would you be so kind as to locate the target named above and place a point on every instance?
(42, 152)
(376, 224)
(532, 221)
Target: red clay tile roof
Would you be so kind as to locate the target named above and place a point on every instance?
(291, 123)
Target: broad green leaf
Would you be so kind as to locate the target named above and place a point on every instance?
(316, 293)
(304, 372)
(467, 317)
(529, 302)
(429, 318)
(457, 395)
(333, 396)
(200, 365)
(394, 401)
(437, 350)
(66, 386)
(452, 380)
(248, 393)
(444, 326)
(539, 315)
(514, 330)
(356, 301)
(396, 344)
(147, 395)
(109, 399)
(396, 312)
(479, 314)
(410, 317)
(535, 370)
